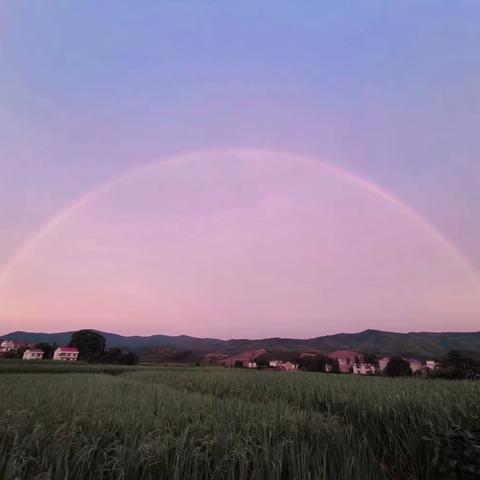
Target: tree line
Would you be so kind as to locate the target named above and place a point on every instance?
(455, 366)
(92, 348)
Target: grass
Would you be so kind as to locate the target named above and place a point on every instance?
(51, 366)
(209, 423)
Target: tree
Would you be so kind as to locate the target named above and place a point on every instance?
(370, 358)
(457, 366)
(128, 358)
(119, 356)
(455, 358)
(112, 355)
(90, 344)
(20, 351)
(398, 367)
(318, 363)
(10, 355)
(262, 361)
(47, 349)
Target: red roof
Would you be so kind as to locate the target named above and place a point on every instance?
(414, 360)
(68, 349)
(345, 355)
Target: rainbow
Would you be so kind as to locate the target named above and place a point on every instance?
(86, 199)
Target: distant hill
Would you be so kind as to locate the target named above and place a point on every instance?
(182, 342)
(165, 348)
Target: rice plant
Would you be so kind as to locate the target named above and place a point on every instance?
(214, 423)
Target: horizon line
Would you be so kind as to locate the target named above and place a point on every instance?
(242, 338)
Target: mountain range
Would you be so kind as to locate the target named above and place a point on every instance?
(422, 345)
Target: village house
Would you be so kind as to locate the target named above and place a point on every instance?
(243, 359)
(281, 365)
(415, 365)
(8, 346)
(33, 354)
(66, 354)
(431, 364)
(251, 364)
(289, 366)
(382, 363)
(346, 359)
(363, 369)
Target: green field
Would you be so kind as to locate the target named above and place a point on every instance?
(109, 422)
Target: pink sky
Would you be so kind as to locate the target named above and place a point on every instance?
(239, 243)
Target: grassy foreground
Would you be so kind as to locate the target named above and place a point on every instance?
(181, 423)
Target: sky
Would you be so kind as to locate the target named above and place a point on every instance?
(239, 169)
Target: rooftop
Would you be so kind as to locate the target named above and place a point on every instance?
(68, 349)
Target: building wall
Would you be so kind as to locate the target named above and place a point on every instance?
(65, 356)
(32, 355)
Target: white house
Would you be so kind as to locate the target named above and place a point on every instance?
(289, 366)
(33, 354)
(415, 365)
(363, 369)
(382, 363)
(346, 359)
(252, 364)
(281, 365)
(69, 354)
(8, 346)
(431, 364)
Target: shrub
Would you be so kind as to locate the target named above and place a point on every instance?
(398, 367)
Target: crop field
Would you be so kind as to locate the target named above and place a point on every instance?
(107, 422)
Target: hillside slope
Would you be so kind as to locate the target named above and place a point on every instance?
(415, 344)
